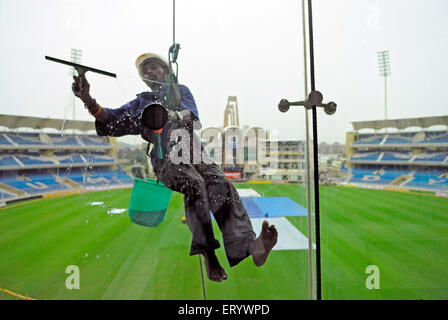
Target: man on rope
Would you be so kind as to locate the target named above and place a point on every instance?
(203, 184)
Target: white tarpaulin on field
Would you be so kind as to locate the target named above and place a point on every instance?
(289, 238)
(115, 211)
(247, 193)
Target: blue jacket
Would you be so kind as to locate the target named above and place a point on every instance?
(126, 121)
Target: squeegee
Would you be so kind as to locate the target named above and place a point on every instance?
(81, 69)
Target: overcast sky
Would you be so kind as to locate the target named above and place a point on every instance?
(251, 49)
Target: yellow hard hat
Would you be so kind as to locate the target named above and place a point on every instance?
(143, 57)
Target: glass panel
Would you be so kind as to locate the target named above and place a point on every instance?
(383, 199)
(75, 193)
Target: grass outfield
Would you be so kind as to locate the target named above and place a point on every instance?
(405, 235)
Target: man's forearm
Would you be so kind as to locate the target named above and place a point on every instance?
(95, 110)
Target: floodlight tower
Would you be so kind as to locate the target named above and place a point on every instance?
(384, 68)
(75, 57)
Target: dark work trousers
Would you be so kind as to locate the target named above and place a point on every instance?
(205, 188)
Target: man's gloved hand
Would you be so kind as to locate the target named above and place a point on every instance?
(172, 116)
(81, 89)
(181, 116)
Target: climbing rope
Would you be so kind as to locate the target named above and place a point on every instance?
(174, 84)
(202, 277)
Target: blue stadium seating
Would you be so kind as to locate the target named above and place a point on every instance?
(6, 161)
(92, 158)
(68, 141)
(428, 180)
(122, 176)
(432, 157)
(344, 168)
(4, 141)
(103, 178)
(369, 140)
(403, 138)
(119, 176)
(365, 156)
(422, 179)
(87, 179)
(397, 152)
(443, 139)
(71, 159)
(93, 140)
(396, 156)
(125, 179)
(435, 134)
(35, 181)
(40, 183)
(25, 139)
(374, 177)
(396, 140)
(34, 160)
(36, 184)
(57, 140)
(64, 158)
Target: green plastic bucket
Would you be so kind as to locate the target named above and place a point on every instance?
(149, 202)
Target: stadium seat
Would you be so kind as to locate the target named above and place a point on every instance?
(95, 158)
(381, 177)
(396, 156)
(8, 161)
(70, 159)
(65, 141)
(34, 184)
(436, 137)
(429, 180)
(432, 157)
(369, 139)
(4, 140)
(25, 139)
(365, 156)
(29, 160)
(93, 140)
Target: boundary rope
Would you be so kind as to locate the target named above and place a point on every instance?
(16, 294)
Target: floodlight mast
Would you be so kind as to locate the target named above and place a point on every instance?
(384, 69)
(75, 57)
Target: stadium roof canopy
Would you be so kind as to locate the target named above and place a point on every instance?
(14, 122)
(401, 123)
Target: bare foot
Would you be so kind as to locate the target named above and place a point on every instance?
(262, 246)
(214, 270)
